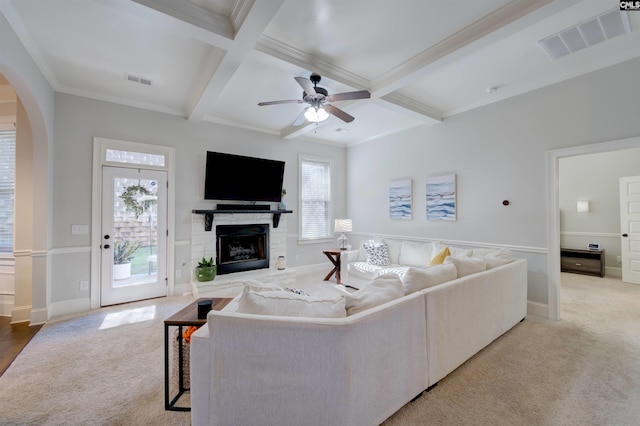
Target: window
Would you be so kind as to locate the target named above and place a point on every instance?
(315, 198)
(7, 187)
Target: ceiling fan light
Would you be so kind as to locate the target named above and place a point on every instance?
(316, 115)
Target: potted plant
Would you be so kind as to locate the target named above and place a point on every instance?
(122, 254)
(283, 205)
(206, 270)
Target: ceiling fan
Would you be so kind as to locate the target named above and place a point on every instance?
(319, 101)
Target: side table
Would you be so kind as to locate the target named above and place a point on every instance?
(334, 256)
(187, 316)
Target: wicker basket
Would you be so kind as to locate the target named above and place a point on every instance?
(185, 362)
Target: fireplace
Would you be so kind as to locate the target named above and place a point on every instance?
(242, 247)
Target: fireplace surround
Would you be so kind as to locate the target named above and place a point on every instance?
(242, 247)
(204, 244)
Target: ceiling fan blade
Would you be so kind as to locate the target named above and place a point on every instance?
(306, 85)
(300, 119)
(360, 94)
(339, 113)
(292, 101)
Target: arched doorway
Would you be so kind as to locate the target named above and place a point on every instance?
(31, 206)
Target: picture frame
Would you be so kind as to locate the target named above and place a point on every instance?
(400, 199)
(441, 198)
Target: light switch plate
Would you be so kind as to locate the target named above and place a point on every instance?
(79, 229)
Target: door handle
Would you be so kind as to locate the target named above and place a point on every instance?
(625, 235)
(106, 246)
(106, 237)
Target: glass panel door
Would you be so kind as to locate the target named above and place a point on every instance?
(134, 228)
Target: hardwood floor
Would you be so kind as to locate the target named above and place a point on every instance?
(13, 338)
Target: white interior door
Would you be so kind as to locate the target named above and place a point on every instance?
(134, 235)
(630, 228)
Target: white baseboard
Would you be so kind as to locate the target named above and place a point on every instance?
(67, 307)
(612, 271)
(181, 289)
(20, 314)
(537, 309)
(39, 316)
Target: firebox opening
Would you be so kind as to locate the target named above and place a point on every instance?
(242, 247)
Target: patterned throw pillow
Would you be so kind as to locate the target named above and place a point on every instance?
(377, 254)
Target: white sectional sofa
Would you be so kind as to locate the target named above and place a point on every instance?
(258, 369)
(358, 268)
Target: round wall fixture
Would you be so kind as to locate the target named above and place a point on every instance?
(505, 202)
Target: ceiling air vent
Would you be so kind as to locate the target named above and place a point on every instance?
(596, 30)
(138, 79)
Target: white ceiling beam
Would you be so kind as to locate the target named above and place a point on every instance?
(186, 11)
(255, 21)
(408, 106)
(326, 69)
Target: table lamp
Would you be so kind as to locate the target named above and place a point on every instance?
(342, 226)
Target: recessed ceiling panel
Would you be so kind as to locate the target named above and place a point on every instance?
(371, 37)
(89, 58)
(516, 64)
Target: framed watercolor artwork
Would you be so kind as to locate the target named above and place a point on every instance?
(400, 199)
(441, 197)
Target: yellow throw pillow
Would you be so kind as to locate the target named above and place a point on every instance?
(438, 259)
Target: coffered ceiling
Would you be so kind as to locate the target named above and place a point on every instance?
(213, 60)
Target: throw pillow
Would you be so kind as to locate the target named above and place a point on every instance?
(415, 254)
(415, 279)
(467, 265)
(377, 254)
(439, 258)
(285, 303)
(382, 289)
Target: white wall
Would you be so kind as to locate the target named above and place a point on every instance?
(497, 152)
(79, 119)
(596, 178)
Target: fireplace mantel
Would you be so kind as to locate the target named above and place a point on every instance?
(208, 215)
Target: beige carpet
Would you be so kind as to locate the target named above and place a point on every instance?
(583, 370)
(106, 368)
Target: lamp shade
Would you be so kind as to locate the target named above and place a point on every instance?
(343, 225)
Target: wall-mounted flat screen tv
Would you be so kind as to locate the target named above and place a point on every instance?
(240, 178)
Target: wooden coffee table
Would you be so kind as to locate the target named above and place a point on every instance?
(187, 316)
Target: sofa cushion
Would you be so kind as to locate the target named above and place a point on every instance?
(439, 258)
(467, 265)
(394, 250)
(455, 251)
(415, 253)
(415, 279)
(285, 303)
(381, 290)
(377, 254)
(498, 258)
(366, 270)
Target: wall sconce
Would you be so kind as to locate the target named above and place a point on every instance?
(583, 206)
(342, 226)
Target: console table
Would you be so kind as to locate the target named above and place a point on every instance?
(185, 317)
(582, 261)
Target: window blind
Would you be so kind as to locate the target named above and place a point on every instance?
(7, 188)
(315, 199)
